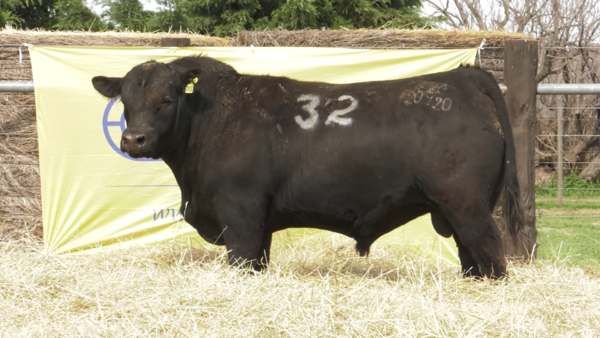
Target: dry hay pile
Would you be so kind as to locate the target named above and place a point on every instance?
(316, 287)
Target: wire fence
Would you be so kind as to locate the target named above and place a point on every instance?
(577, 133)
(567, 189)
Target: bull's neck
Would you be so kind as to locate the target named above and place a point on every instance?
(194, 125)
(175, 161)
(174, 157)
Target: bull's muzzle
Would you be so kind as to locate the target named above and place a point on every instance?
(132, 143)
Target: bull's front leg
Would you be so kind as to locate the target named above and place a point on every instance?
(247, 242)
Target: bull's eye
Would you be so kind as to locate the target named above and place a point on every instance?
(167, 100)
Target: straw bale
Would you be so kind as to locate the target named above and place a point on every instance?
(14, 144)
(19, 227)
(19, 169)
(20, 206)
(21, 216)
(18, 176)
(17, 117)
(363, 38)
(11, 69)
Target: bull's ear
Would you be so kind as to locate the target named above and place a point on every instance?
(108, 86)
(191, 77)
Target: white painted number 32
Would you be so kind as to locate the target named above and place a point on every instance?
(311, 121)
(334, 117)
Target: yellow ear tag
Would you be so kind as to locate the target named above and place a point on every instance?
(190, 86)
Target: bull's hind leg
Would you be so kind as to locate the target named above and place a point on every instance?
(443, 228)
(477, 238)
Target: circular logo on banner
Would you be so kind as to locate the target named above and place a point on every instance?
(113, 123)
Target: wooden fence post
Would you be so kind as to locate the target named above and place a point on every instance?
(520, 69)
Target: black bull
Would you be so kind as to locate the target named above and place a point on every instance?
(257, 154)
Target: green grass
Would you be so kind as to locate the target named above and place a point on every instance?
(573, 187)
(568, 204)
(569, 231)
(573, 239)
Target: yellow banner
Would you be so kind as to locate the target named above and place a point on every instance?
(93, 195)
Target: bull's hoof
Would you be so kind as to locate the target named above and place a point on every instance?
(363, 246)
(477, 274)
(362, 252)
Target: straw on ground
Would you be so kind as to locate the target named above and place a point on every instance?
(315, 287)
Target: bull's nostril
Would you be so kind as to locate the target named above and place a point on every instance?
(140, 140)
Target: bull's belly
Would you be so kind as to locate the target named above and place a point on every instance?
(353, 223)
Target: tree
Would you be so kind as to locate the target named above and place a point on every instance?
(126, 14)
(225, 17)
(8, 17)
(170, 18)
(36, 14)
(218, 17)
(298, 14)
(221, 17)
(74, 15)
(49, 14)
(7, 11)
(406, 14)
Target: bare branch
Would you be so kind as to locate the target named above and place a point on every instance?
(462, 13)
(444, 10)
(500, 24)
(546, 68)
(476, 13)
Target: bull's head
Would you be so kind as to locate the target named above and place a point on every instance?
(151, 93)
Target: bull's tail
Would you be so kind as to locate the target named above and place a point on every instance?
(511, 208)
